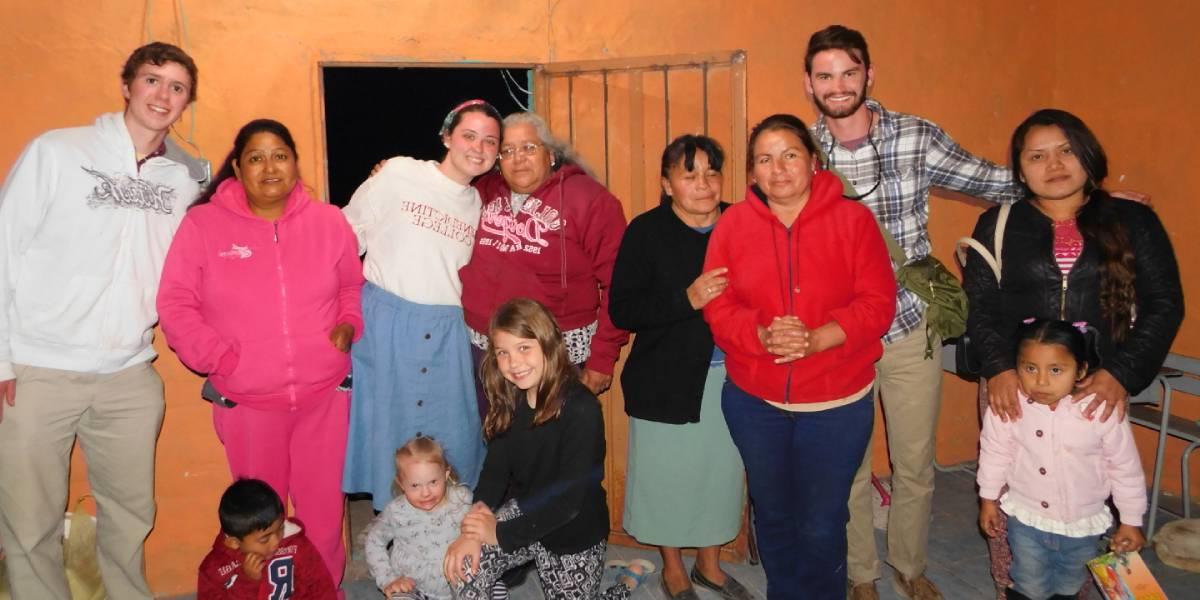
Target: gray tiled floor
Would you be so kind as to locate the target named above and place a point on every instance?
(958, 560)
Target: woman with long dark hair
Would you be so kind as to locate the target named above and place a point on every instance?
(260, 290)
(1072, 252)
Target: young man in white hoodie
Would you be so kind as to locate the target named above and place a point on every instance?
(86, 217)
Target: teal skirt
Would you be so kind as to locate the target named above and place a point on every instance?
(685, 484)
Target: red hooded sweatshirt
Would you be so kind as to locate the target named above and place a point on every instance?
(252, 302)
(830, 265)
(295, 572)
(559, 249)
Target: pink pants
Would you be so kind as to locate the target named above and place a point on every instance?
(301, 454)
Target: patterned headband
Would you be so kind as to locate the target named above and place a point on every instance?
(457, 109)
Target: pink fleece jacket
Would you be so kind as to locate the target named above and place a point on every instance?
(1061, 464)
(252, 303)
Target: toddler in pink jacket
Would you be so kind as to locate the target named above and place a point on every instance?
(1060, 468)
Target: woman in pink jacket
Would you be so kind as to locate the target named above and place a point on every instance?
(260, 290)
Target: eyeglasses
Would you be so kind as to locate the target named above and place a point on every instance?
(526, 149)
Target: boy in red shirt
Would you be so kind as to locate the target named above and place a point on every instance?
(260, 555)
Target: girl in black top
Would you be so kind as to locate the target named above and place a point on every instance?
(545, 437)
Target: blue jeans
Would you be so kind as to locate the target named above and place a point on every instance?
(799, 467)
(1047, 564)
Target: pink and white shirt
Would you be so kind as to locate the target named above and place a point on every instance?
(1068, 244)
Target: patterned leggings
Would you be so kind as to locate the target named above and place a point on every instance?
(563, 576)
(499, 592)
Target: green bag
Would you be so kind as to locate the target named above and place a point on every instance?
(944, 297)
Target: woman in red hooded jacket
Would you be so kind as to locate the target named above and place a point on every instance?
(810, 291)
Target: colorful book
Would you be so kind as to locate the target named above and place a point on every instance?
(1124, 576)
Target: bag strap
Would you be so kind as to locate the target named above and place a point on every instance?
(894, 249)
(992, 260)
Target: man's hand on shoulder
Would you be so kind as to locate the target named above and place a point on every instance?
(1130, 195)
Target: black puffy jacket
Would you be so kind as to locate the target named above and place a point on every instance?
(1033, 286)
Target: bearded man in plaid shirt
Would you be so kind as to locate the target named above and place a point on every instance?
(891, 160)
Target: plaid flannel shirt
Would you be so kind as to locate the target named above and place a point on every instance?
(907, 155)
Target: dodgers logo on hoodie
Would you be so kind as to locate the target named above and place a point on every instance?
(520, 230)
(123, 191)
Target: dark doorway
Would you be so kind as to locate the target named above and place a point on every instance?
(373, 113)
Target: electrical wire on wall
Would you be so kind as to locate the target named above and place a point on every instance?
(509, 82)
(181, 26)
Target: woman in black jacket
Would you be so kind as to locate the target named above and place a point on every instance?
(1124, 282)
(1072, 252)
(684, 481)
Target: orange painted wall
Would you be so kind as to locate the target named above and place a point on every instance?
(1127, 72)
(975, 68)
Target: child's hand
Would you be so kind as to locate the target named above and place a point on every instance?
(464, 549)
(990, 520)
(252, 565)
(1127, 539)
(480, 525)
(401, 585)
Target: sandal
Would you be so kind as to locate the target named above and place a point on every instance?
(646, 567)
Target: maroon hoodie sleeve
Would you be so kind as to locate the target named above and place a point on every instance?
(604, 226)
(870, 313)
(212, 586)
(311, 576)
(350, 279)
(198, 345)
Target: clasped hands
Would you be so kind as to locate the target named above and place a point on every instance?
(789, 339)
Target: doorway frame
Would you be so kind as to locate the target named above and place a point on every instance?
(318, 86)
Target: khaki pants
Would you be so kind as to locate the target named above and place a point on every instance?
(910, 389)
(116, 417)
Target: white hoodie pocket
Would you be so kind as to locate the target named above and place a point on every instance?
(56, 307)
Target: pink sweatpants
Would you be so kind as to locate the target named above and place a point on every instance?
(301, 454)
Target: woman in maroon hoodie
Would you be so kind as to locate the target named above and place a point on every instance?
(810, 292)
(548, 231)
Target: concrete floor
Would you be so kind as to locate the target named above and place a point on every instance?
(958, 561)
